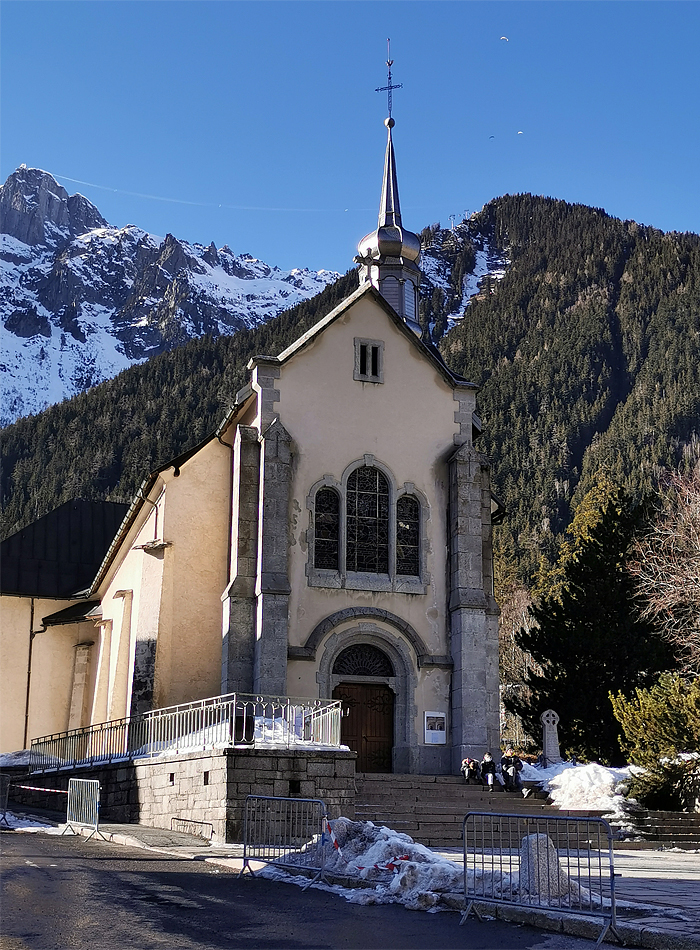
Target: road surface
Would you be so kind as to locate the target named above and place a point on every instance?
(65, 893)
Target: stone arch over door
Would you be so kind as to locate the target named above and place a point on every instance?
(402, 683)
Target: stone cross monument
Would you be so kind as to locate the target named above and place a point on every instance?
(550, 737)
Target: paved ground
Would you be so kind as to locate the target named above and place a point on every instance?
(65, 893)
(658, 892)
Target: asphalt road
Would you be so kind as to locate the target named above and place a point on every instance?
(63, 893)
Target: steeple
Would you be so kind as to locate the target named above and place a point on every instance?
(389, 255)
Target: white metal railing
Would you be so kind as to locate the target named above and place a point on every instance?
(237, 719)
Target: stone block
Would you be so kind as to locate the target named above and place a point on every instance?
(345, 768)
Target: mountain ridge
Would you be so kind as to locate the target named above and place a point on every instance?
(81, 300)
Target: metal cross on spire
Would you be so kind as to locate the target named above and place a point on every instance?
(388, 88)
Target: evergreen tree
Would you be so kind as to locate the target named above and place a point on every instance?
(589, 639)
(661, 729)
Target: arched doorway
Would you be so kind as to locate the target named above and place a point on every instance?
(367, 725)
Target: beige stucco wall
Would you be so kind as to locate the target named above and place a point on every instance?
(171, 592)
(112, 692)
(197, 521)
(53, 659)
(407, 422)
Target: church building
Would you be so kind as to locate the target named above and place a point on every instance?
(332, 539)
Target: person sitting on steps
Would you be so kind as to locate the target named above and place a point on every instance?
(471, 769)
(488, 770)
(511, 767)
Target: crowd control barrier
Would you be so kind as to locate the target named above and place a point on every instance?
(540, 862)
(287, 832)
(83, 806)
(4, 795)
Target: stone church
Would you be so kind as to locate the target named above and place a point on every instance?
(331, 539)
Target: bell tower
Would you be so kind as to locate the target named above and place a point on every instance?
(389, 255)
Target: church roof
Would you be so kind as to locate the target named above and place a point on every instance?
(430, 352)
(57, 555)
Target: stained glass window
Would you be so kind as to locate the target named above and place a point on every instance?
(407, 536)
(368, 521)
(327, 529)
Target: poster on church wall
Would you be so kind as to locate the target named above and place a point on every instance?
(435, 728)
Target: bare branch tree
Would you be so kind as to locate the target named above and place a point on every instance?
(665, 560)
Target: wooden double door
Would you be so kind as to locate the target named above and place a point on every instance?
(367, 726)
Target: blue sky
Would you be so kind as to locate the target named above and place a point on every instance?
(261, 118)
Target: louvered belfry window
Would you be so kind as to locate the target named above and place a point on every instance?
(368, 521)
(407, 536)
(327, 530)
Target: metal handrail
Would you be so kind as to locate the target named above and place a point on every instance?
(229, 721)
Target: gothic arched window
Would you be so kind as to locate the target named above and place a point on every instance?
(367, 521)
(408, 536)
(327, 529)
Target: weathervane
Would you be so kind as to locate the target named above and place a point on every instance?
(388, 88)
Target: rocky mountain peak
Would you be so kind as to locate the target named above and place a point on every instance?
(36, 210)
(81, 300)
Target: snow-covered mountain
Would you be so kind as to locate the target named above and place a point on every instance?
(81, 300)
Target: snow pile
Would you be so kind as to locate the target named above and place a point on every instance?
(589, 787)
(419, 881)
(14, 759)
(22, 823)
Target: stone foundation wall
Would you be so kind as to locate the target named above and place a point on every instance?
(205, 786)
(329, 776)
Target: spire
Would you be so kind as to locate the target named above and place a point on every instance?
(389, 255)
(389, 208)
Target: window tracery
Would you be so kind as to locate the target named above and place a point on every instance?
(327, 529)
(367, 504)
(363, 659)
(408, 536)
(365, 533)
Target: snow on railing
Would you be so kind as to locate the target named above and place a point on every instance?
(230, 721)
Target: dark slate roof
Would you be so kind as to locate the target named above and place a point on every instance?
(83, 610)
(58, 555)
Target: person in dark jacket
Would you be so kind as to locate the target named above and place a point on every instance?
(471, 769)
(488, 769)
(511, 767)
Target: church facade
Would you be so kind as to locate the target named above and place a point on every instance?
(333, 538)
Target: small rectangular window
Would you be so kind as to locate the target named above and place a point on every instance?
(369, 361)
(206, 778)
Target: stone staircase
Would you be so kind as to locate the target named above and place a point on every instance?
(666, 829)
(431, 808)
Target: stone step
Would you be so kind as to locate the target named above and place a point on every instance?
(379, 777)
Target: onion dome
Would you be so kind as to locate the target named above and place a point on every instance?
(390, 239)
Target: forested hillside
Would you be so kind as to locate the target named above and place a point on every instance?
(583, 330)
(588, 352)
